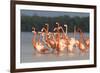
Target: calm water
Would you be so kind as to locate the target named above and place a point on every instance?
(28, 54)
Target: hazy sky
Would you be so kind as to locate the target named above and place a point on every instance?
(52, 13)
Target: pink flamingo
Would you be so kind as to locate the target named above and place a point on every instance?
(83, 44)
(60, 41)
(49, 40)
(69, 42)
(38, 46)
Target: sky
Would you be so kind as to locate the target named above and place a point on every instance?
(52, 13)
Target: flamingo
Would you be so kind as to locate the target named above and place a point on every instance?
(79, 43)
(60, 41)
(38, 46)
(83, 46)
(49, 41)
(70, 42)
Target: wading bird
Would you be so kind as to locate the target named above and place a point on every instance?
(49, 39)
(38, 46)
(82, 44)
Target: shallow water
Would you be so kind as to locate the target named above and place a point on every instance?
(28, 54)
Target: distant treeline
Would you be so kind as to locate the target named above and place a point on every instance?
(38, 22)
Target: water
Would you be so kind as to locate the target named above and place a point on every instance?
(29, 55)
